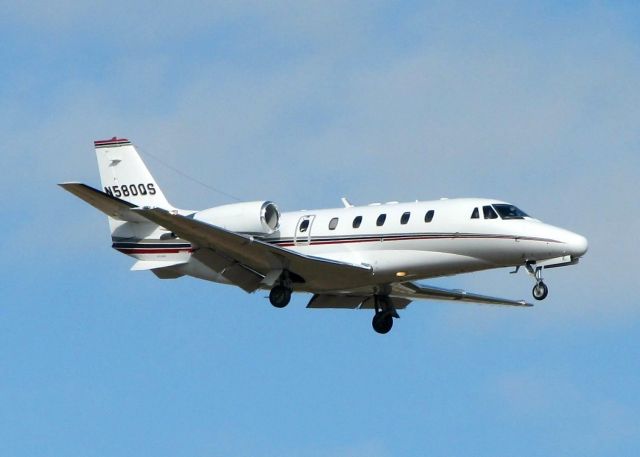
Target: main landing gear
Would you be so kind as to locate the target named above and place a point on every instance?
(540, 290)
(280, 294)
(385, 312)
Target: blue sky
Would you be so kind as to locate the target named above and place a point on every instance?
(302, 103)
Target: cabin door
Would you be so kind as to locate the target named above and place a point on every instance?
(303, 231)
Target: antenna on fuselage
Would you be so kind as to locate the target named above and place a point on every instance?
(346, 202)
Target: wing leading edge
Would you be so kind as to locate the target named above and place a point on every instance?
(254, 254)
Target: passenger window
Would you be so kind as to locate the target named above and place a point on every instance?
(475, 214)
(381, 220)
(429, 216)
(357, 221)
(489, 213)
(333, 223)
(304, 225)
(405, 218)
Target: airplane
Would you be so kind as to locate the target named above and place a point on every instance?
(354, 257)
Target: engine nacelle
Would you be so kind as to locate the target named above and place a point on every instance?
(259, 218)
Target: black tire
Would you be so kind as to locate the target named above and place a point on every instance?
(280, 296)
(382, 322)
(540, 291)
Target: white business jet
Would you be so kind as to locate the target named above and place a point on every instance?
(364, 257)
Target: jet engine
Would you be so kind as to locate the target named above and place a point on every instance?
(258, 218)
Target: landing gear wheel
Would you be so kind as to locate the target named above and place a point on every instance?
(382, 322)
(540, 291)
(280, 296)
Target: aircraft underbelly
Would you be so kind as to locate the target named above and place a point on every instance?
(410, 264)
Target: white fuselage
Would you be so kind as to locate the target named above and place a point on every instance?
(414, 246)
(408, 247)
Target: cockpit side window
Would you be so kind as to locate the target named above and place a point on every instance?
(475, 214)
(489, 213)
(507, 211)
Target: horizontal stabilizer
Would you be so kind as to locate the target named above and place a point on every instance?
(109, 205)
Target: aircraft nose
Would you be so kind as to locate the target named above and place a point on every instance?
(577, 245)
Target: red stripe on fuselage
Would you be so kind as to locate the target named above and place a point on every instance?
(452, 236)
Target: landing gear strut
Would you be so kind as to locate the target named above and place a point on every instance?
(385, 312)
(280, 294)
(540, 290)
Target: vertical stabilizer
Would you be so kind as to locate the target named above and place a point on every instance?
(124, 174)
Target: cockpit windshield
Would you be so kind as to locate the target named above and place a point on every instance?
(507, 211)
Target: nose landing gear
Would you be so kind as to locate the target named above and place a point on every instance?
(540, 290)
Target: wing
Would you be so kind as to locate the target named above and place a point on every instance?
(351, 301)
(335, 301)
(414, 291)
(404, 293)
(109, 205)
(248, 255)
